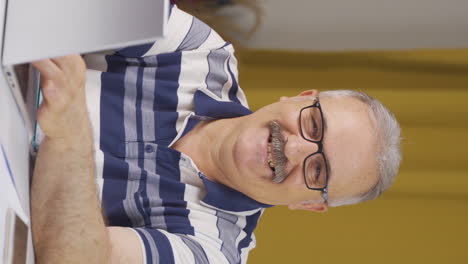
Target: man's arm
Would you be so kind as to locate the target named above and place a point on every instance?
(67, 223)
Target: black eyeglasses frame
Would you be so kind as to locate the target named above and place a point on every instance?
(319, 143)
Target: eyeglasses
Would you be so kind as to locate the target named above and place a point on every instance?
(315, 165)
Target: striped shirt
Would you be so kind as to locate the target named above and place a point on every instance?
(141, 100)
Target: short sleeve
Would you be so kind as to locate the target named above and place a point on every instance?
(162, 247)
(184, 32)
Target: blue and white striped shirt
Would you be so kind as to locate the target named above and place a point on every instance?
(141, 100)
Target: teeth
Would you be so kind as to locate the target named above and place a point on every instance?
(271, 163)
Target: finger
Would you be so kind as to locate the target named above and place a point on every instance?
(48, 89)
(42, 110)
(47, 68)
(55, 97)
(70, 63)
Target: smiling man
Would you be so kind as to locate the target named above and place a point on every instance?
(286, 148)
(183, 168)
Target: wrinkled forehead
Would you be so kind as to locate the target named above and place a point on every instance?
(350, 144)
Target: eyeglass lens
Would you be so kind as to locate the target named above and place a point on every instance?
(315, 171)
(311, 123)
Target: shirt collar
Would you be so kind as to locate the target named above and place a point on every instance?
(207, 106)
(228, 199)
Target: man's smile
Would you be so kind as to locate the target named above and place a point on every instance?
(276, 158)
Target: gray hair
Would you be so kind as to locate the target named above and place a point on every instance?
(389, 155)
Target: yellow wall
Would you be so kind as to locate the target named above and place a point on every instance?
(424, 217)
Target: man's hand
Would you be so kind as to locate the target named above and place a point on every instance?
(67, 223)
(63, 113)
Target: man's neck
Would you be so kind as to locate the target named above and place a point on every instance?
(204, 143)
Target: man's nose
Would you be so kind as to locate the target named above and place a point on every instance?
(297, 149)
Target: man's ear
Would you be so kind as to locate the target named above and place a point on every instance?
(309, 206)
(312, 92)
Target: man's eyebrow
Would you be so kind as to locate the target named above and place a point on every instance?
(329, 170)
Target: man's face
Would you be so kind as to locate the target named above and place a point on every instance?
(349, 144)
